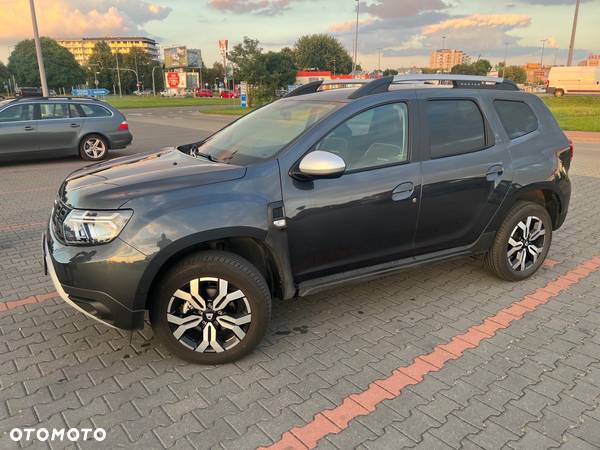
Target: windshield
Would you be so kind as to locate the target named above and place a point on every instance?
(262, 134)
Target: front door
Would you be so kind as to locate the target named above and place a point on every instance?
(369, 214)
(18, 129)
(465, 178)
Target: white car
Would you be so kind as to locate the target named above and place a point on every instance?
(576, 79)
(168, 93)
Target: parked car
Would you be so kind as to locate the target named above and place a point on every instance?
(28, 92)
(144, 93)
(46, 127)
(573, 79)
(228, 94)
(312, 191)
(202, 92)
(168, 93)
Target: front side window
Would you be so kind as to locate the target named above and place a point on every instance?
(17, 113)
(455, 127)
(94, 111)
(373, 138)
(53, 111)
(263, 133)
(517, 118)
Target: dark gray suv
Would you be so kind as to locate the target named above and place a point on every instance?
(37, 127)
(314, 190)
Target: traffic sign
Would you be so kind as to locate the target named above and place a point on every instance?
(244, 100)
(101, 92)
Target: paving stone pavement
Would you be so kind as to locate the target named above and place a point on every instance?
(534, 384)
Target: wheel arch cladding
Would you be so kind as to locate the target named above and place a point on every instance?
(250, 246)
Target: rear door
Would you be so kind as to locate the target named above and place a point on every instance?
(57, 131)
(18, 129)
(466, 174)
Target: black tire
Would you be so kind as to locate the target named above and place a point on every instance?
(559, 93)
(496, 259)
(88, 156)
(221, 265)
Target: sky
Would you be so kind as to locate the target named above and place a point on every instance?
(404, 31)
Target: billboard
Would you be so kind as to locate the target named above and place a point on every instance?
(194, 58)
(223, 46)
(176, 57)
(175, 80)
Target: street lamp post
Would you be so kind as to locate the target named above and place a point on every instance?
(38, 50)
(118, 73)
(542, 57)
(379, 64)
(354, 65)
(573, 32)
(505, 54)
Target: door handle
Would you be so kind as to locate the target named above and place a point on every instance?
(28, 128)
(494, 172)
(75, 125)
(403, 191)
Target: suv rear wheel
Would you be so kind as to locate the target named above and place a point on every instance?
(93, 148)
(212, 308)
(522, 242)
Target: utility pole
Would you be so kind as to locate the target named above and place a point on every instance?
(443, 42)
(573, 32)
(118, 73)
(38, 50)
(542, 57)
(354, 65)
(379, 50)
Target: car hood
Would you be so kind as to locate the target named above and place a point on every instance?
(111, 184)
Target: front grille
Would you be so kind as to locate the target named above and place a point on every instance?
(59, 214)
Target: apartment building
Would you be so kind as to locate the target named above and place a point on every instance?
(82, 48)
(445, 59)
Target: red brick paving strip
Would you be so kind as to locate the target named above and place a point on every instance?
(334, 421)
(27, 301)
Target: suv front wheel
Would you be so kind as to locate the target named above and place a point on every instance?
(522, 242)
(211, 308)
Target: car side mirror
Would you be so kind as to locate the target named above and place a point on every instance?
(321, 164)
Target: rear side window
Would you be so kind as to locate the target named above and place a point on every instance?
(53, 111)
(95, 111)
(455, 127)
(517, 118)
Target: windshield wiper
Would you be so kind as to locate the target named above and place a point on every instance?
(209, 157)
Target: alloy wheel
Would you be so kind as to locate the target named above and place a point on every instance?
(526, 243)
(95, 148)
(209, 315)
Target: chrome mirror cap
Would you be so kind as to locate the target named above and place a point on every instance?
(322, 164)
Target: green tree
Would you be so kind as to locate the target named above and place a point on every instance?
(515, 73)
(62, 71)
(247, 58)
(279, 72)
(479, 67)
(100, 66)
(322, 52)
(388, 72)
(4, 76)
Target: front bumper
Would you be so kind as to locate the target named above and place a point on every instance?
(96, 304)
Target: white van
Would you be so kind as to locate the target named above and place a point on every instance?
(574, 79)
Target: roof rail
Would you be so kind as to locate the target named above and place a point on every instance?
(382, 85)
(313, 86)
(54, 97)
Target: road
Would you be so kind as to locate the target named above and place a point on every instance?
(444, 356)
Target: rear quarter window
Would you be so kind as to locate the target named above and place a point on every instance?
(95, 111)
(517, 118)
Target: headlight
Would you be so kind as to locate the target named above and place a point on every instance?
(94, 227)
